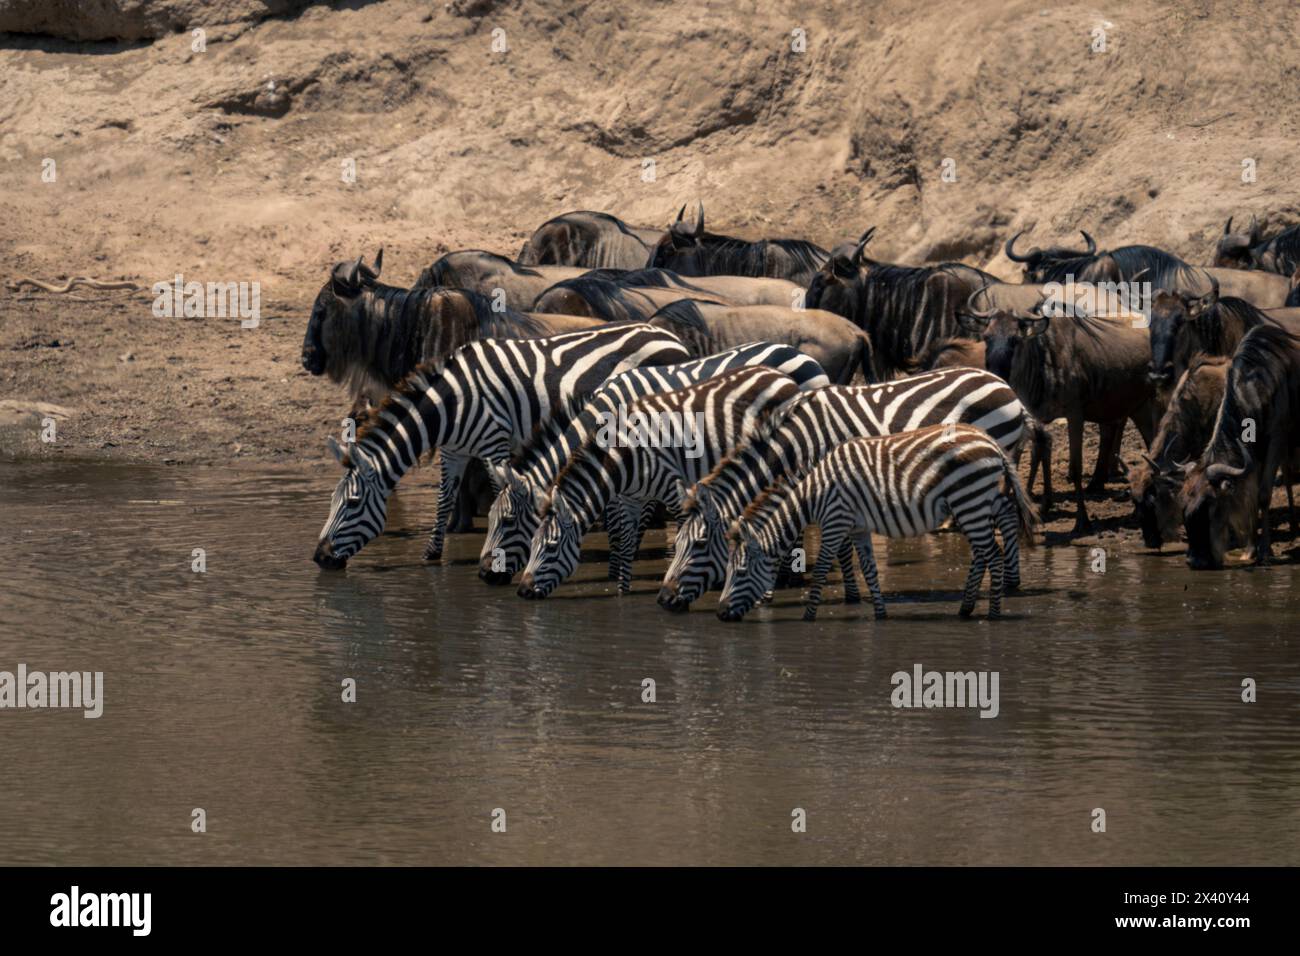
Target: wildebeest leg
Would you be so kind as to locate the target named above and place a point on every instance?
(1043, 449)
(867, 558)
(1009, 525)
(851, 594)
(1109, 436)
(452, 468)
(1264, 539)
(1288, 476)
(476, 485)
(1082, 524)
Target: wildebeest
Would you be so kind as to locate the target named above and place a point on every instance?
(1249, 250)
(835, 343)
(486, 272)
(1228, 490)
(1082, 369)
(738, 290)
(691, 251)
(1157, 479)
(608, 300)
(902, 308)
(1038, 264)
(1162, 270)
(964, 353)
(1181, 325)
(590, 240)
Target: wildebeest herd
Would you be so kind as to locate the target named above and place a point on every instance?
(805, 386)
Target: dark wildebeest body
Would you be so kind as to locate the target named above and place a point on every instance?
(964, 353)
(1184, 431)
(487, 272)
(1185, 325)
(590, 240)
(1082, 369)
(695, 252)
(835, 343)
(1228, 490)
(902, 308)
(738, 290)
(1162, 270)
(1280, 254)
(608, 300)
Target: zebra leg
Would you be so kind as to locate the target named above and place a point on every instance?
(825, 559)
(631, 537)
(981, 541)
(867, 558)
(1009, 526)
(452, 467)
(996, 579)
(614, 529)
(851, 593)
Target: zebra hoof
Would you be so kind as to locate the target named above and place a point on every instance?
(810, 615)
(880, 615)
(1012, 584)
(966, 611)
(431, 555)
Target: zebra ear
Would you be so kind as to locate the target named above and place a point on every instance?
(502, 474)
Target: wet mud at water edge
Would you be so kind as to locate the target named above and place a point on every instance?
(1119, 690)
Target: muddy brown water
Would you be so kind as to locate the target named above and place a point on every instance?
(222, 691)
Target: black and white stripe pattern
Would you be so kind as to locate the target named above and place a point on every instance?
(482, 403)
(731, 406)
(896, 485)
(807, 430)
(512, 520)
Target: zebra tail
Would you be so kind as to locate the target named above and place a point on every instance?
(1025, 515)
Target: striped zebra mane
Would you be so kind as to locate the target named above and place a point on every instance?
(414, 384)
(761, 510)
(549, 431)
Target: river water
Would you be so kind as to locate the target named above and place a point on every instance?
(1119, 690)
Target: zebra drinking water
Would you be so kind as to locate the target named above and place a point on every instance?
(805, 433)
(482, 403)
(899, 485)
(512, 519)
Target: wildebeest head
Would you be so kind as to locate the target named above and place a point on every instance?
(1154, 490)
(1002, 331)
(1170, 311)
(1219, 500)
(346, 281)
(835, 287)
(681, 248)
(1036, 261)
(1233, 249)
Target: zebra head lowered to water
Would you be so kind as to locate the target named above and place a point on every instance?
(482, 403)
(899, 485)
(813, 424)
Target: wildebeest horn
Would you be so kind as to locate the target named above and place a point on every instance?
(1254, 230)
(1092, 246)
(379, 262)
(862, 245)
(1151, 461)
(1218, 471)
(1010, 248)
(699, 225)
(1227, 229)
(681, 212)
(970, 304)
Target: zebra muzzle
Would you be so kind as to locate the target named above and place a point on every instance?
(326, 558)
(670, 600)
(495, 577)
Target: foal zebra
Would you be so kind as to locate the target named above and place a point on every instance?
(513, 517)
(807, 430)
(712, 416)
(482, 403)
(897, 485)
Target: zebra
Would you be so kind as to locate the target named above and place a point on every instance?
(619, 466)
(899, 485)
(513, 516)
(806, 431)
(481, 403)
